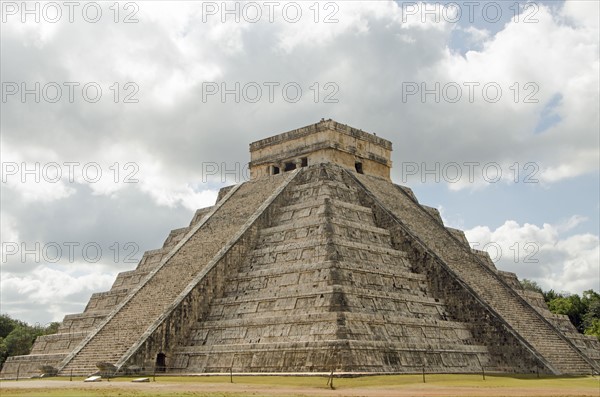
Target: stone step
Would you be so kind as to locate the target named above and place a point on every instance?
(322, 183)
(82, 321)
(398, 274)
(391, 320)
(368, 356)
(342, 237)
(346, 249)
(315, 271)
(174, 237)
(27, 366)
(405, 345)
(151, 259)
(199, 215)
(291, 297)
(129, 279)
(106, 301)
(319, 202)
(348, 212)
(247, 285)
(318, 223)
(326, 189)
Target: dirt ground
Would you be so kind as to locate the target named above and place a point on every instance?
(314, 387)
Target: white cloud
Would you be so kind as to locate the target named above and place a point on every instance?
(477, 35)
(9, 233)
(582, 13)
(503, 132)
(46, 294)
(33, 174)
(543, 253)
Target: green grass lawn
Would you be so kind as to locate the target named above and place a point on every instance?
(170, 386)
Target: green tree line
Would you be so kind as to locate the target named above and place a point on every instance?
(583, 311)
(17, 337)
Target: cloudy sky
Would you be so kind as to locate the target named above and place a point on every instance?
(118, 121)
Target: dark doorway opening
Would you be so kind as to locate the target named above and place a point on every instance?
(289, 167)
(161, 362)
(304, 161)
(275, 170)
(358, 167)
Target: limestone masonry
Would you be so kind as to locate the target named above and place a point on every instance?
(318, 263)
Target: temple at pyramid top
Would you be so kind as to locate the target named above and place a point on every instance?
(324, 142)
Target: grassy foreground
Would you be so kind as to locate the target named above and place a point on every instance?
(389, 385)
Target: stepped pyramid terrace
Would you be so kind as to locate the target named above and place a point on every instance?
(318, 263)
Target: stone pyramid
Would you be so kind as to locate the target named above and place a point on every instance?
(318, 263)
